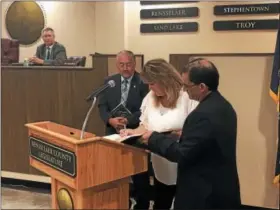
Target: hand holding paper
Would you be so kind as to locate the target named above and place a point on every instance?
(145, 137)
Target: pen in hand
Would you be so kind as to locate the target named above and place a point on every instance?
(125, 132)
(124, 128)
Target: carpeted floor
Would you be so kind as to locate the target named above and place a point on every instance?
(24, 198)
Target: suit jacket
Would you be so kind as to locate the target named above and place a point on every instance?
(110, 98)
(57, 57)
(206, 156)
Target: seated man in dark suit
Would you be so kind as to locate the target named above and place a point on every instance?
(130, 91)
(206, 150)
(51, 52)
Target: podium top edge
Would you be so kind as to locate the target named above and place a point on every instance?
(62, 132)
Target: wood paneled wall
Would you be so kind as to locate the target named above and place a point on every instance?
(43, 93)
(31, 94)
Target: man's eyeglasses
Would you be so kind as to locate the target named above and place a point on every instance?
(188, 86)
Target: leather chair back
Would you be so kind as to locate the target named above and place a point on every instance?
(76, 61)
(9, 51)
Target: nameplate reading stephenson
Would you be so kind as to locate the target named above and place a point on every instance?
(54, 156)
(164, 2)
(169, 27)
(246, 25)
(272, 8)
(169, 13)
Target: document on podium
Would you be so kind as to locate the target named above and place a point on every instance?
(131, 140)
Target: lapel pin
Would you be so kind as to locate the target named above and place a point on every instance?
(134, 86)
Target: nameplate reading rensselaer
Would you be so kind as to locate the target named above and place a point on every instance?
(56, 157)
(164, 2)
(169, 13)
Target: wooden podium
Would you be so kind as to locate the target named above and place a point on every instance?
(92, 173)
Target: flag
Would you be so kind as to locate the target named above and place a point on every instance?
(275, 94)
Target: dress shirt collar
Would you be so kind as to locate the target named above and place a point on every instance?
(50, 47)
(128, 79)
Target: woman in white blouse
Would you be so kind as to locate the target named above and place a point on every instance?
(164, 109)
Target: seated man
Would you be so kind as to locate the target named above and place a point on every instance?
(51, 52)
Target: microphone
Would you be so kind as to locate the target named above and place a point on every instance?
(92, 97)
(99, 90)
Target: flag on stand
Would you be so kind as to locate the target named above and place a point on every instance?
(275, 94)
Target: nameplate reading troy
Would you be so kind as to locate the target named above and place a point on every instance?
(272, 8)
(169, 13)
(246, 25)
(169, 27)
(164, 2)
(53, 156)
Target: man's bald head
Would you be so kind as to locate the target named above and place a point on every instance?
(202, 71)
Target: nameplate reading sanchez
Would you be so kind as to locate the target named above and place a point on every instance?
(246, 25)
(169, 13)
(164, 2)
(51, 155)
(169, 27)
(272, 8)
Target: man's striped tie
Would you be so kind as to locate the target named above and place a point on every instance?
(124, 89)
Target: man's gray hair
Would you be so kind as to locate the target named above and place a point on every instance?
(126, 52)
(48, 29)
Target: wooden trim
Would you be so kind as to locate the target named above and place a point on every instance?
(25, 177)
(142, 61)
(46, 68)
(26, 185)
(255, 207)
(109, 55)
(223, 54)
(113, 55)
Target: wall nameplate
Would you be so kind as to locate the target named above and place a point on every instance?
(169, 13)
(272, 8)
(164, 2)
(229, 25)
(169, 27)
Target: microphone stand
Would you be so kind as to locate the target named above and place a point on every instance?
(86, 119)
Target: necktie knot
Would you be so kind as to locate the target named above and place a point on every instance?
(125, 82)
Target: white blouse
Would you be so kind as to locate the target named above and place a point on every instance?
(161, 119)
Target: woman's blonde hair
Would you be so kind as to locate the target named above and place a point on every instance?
(163, 73)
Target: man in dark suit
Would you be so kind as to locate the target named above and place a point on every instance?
(206, 150)
(130, 91)
(51, 52)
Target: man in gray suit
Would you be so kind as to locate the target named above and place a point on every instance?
(51, 52)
